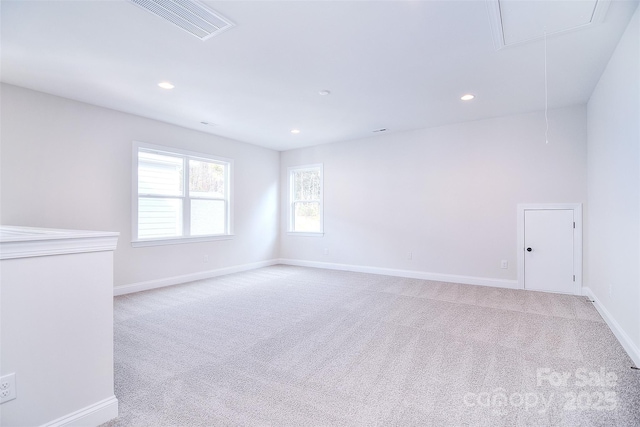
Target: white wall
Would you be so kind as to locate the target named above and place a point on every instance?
(613, 259)
(447, 194)
(67, 164)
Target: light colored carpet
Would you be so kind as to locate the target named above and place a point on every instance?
(293, 346)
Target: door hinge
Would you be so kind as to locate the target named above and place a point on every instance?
(574, 277)
(574, 224)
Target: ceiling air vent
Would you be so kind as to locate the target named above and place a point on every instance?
(191, 16)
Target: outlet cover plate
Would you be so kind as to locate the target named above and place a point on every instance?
(7, 388)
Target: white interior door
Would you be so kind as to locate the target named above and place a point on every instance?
(549, 251)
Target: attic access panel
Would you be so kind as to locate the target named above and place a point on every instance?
(516, 22)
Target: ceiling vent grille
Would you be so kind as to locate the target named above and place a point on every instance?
(191, 16)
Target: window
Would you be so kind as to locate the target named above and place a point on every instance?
(305, 199)
(179, 196)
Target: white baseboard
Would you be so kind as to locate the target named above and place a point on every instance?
(626, 342)
(91, 416)
(412, 274)
(175, 280)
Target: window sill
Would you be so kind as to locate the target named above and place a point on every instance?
(304, 234)
(179, 240)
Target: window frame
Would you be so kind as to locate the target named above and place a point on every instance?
(186, 198)
(291, 202)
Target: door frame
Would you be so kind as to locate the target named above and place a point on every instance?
(577, 239)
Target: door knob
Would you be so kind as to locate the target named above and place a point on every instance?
(529, 249)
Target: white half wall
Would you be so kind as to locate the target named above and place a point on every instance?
(613, 258)
(448, 194)
(67, 164)
(56, 314)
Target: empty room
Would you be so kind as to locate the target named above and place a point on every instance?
(319, 213)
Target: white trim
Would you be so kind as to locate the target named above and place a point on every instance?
(627, 343)
(22, 242)
(495, 19)
(93, 415)
(180, 240)
(176, 280)
(577, 239)
(304, 234)
(412, 274)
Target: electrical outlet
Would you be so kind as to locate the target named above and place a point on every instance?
(326, 251)
(205, 259)
(504, 264)
(409, 255)
(7, 388)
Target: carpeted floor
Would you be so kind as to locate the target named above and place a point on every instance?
(293, 346)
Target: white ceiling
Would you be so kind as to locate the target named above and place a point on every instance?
(398, 65)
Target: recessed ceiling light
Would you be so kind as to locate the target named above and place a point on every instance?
(325, 92)
(467, 97)
(295, 131)
(166, 85)
(379, 130)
